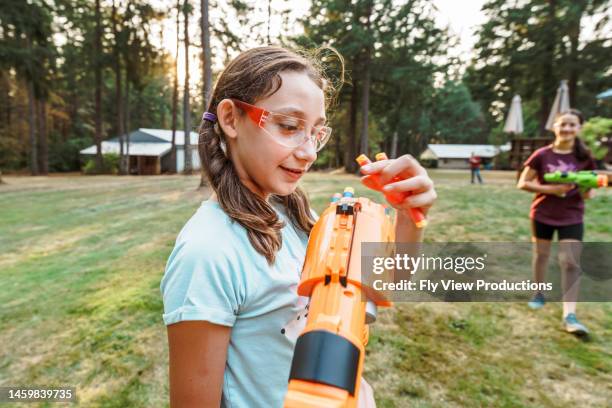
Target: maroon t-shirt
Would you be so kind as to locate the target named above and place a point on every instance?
(551, 209)
(475, 162)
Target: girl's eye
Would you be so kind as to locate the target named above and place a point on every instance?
(288, 127)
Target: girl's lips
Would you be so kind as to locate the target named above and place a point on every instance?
(293, 173)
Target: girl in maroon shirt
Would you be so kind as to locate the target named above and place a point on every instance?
(559, 207)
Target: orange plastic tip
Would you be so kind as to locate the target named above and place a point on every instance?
(362, 159)
(421, 224)
(381, 156)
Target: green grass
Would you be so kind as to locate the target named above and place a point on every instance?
(81, 259)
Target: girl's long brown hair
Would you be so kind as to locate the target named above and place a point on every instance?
(253, 75)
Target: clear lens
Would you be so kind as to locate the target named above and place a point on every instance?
(290, 131)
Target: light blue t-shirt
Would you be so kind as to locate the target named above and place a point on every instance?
(215, 274)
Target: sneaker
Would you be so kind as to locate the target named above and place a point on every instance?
(572, 325)
(537, 302)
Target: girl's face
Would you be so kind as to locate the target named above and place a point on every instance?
(263, 165)
(567, 128)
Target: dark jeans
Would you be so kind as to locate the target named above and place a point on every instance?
(477, 173)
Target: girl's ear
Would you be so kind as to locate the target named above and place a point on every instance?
(227, 115)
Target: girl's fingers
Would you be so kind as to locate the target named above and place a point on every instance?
(374, 167)
(404, 166)
(369, 182)
(421, 200)
(414, 184)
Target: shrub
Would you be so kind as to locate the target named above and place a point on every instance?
(110, 165)
(593, 132)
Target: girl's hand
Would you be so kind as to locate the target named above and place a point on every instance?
(413, 179)
(590, 193)
(560, 189)
(366, 395)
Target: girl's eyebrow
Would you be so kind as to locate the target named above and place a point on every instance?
(293, 111)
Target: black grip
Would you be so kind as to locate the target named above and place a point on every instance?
(325, 358)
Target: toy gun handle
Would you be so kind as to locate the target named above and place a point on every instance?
(416, 214)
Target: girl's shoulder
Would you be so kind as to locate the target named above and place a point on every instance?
(210, 230)
(535, 158)
(543, 150)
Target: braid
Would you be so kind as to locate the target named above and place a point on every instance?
(242, 205)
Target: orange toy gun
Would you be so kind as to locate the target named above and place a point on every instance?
(329, 353)
(416, 214)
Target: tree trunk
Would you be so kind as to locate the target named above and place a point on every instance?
(126, 118)
(98, 87)
(269, 18)
(32, 129)
(206, 53)
(349, 161)
(365, 86)
(548, 81)
(206, 64)
(393, 149)
(175, 90)
(365, 104)
(118, 93)
(574, 34)
(337, 153)
(186, 109)
(43, 148)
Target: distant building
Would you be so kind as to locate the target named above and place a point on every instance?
(150, 150)
(456, 156)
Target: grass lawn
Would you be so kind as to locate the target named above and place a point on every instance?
(81, 260)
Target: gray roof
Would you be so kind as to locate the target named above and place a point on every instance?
(166, 135)
(145, 142)
(460, 151)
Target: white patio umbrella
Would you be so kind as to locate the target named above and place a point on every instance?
(514, 121)
(561, 104)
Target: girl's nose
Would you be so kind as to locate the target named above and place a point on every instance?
(306, 151)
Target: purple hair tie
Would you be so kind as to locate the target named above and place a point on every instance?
(211, 117)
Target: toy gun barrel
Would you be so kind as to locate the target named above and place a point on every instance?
(416, 214)
(329, 353)
(583, 179)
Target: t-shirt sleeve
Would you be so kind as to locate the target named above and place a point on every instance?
(534, 161)
(200, 283)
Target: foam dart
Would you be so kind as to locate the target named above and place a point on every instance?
(416, 214)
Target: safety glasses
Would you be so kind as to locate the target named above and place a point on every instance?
(286, 130)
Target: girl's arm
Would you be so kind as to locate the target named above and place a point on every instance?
(198, 352)
(406, 231)
(528, 182)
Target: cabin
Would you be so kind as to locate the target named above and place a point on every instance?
(149, 151)
(456, 156)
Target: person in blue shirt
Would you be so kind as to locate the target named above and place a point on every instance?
(230, 286)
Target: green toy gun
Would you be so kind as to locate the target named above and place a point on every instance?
(583, 179)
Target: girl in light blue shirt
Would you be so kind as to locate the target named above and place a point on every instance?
(230, 285)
